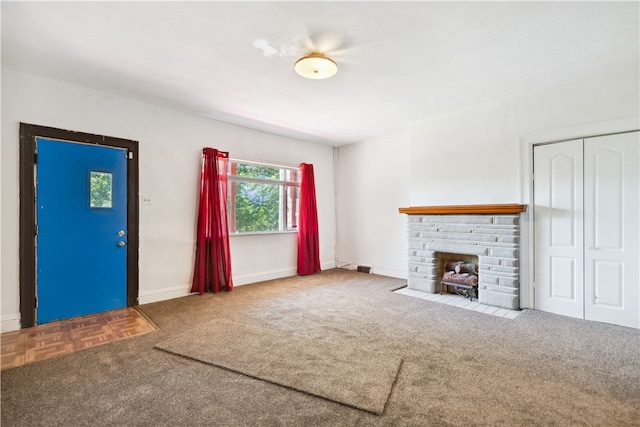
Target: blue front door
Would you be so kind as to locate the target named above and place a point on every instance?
(81, 209)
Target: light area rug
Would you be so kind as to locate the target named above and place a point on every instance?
(341, 373)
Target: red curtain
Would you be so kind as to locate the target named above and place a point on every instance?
(212, 271)
(308, 242)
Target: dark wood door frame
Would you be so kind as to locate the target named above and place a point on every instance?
(27, 251)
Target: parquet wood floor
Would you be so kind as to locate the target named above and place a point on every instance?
(66, 336)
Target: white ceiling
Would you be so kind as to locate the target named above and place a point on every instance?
(398, 61)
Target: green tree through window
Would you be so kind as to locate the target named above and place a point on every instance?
(257, 207)
(100, 190)
(258, 201)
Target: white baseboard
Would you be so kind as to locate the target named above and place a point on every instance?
(183, 291)
(328, 265)
(390, 272)
(274, 274)
(347, 265)
(164, 294)
(10, 323)
(247, 279)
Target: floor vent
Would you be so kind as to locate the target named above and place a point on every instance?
(363, 269)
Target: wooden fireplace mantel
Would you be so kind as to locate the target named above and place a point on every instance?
(509, 208)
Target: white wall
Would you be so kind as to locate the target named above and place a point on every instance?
(373, 182)
(471, 156)
(467, 157)
(170, 147)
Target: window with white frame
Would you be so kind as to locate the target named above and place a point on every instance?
(262, 197)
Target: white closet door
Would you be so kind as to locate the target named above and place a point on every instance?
(558, 215)
(612, 224)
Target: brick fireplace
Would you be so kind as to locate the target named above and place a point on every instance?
(489, 232)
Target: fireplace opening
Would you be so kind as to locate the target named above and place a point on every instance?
(458, 274)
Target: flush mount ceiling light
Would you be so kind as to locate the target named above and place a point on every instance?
(316, 66)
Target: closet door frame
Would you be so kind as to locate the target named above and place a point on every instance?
(527, 142)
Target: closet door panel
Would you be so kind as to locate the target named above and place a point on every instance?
(612, 223)
(558, 202)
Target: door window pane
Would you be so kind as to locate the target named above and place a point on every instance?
(101, 190)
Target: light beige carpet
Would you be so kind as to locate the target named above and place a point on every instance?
(349, 375)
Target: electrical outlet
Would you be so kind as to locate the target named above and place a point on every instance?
(146, 200)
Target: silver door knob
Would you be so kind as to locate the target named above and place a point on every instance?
(120, 233)
(121, 243)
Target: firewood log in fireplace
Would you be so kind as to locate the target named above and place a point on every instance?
(460, 278)
(461, 267)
